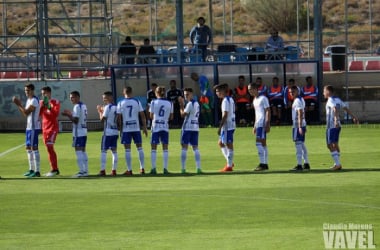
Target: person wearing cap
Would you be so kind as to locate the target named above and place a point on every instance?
(201, 37)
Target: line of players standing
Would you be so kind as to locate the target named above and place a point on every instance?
(280, 100)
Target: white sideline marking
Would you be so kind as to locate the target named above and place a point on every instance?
(12, 149)
(275, 199)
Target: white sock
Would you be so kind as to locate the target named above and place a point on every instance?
(230, 158)
(141, 157)
(265, 155)
(85, 162)
(30, 159)
(336, 156)
(299, 152)
(103, 159)
(115, 160)
(183, 159)
(128, 159)
(225, 152)
(37, 160)
(153, 158)
(165, 155)
(305, 154)
(260, 151)
(80, 160)
(197, 156)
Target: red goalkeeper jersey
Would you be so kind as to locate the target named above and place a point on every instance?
(50, 115)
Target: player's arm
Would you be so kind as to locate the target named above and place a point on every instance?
(267, 119)
(181, 101)
(69, 115)
(348, 111)
(143, 122)
(25, 111)
(222, 121)
(55, 108)
(100, 110)
(300, 116)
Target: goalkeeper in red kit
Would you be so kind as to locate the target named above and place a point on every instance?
(50, 109)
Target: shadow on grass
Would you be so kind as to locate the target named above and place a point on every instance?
(171, 175)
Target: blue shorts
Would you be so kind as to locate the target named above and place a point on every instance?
(80, 141)
(162, 136)
(127, 137)
(297, 136)
(190, 137)
(332, 135)
(109, 142)
(227, 136)
(261, 133)
(31, 137)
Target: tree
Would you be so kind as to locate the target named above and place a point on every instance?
(275, 14)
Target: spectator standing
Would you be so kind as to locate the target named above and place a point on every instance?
(172, 95)
(201, 37)
(161, 111)
(130, 112)
(242, 98)
(262, 125)
(146, 51)
(309, 93)
(190, 128)
(276, 99)
(49, 112)
(299, 130)
(227, 126)
(79, 119)
(108, 115)
(333, 126)
(127, 51)
(33, 128)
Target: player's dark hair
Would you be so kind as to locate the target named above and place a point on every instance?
(253, 85)
(75, 93)
(259, 78)
(275, 78)
(46, 89)
(308, 78)
(29, 86)
(108, 93)
(241, 77)
(294, 87)
(329, 88)
(222, 86)
(188, 90)
(292, 80)
(128, 90)
(154, 84)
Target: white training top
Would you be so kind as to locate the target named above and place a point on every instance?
(260, 104)
(110, 121)
(33, 119)
(130, 109)
(298, 104)
(191, 121)
(332, 102)
(80, 111)
(161, 109)
(228, 105)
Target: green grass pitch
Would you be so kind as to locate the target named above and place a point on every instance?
(240, 210)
